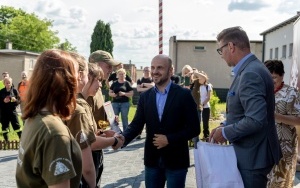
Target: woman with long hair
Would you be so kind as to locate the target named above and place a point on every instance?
(49, 156)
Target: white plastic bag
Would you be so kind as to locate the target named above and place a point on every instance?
(216, 166)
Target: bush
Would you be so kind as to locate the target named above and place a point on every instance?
(214, 100)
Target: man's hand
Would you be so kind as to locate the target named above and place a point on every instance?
(121, 140)
(160, 141)
(217, 136)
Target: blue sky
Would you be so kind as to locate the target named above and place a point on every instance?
(134, 23)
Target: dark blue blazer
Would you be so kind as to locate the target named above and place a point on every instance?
(179, 123)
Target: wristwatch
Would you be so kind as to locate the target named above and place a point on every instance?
(116, 142)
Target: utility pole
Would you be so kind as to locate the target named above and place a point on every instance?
(160, 27)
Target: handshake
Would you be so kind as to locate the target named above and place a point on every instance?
(118, 138)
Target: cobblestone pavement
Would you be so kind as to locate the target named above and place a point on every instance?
(122, 168)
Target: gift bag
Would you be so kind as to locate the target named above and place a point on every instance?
(216, 166)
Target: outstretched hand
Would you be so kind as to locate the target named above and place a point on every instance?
(121, 140)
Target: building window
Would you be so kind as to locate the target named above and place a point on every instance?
(284, 51)
(199, 48)
(31, 64)
(291, 50)
(271, 53)
(276, 53)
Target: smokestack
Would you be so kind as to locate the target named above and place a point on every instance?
(8, 45)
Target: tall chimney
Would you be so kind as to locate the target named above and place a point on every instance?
(8, 45)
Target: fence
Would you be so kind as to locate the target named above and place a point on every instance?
(9, 145)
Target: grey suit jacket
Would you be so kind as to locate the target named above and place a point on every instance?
(250, 119)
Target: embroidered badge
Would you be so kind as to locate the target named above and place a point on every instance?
(60, 168)
(83, 137)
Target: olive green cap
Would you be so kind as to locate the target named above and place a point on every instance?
(102, 56)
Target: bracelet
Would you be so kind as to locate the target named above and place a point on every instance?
(116, 142)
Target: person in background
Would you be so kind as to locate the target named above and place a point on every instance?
(250, 123)
(143, 84)
(49, 156)
(205, 94)
(195, 88)
(9, 100)
(4, 75)
(186, 73)
(175, 78)
(287, 116)
(170, 115)
(121, 91)
(22, 89)
(113, 77)
(105, 61)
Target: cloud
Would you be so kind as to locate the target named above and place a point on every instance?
(145, 9)
(49, 7)
(115, 19)
(288, 6)
(246, 5)
(78, 14)
(145, 32)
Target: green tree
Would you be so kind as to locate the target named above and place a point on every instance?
(102, 38)
(28, 31)
(67, 46)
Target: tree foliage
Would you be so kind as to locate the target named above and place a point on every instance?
(102, 38)
(26, 31)
(66, 46)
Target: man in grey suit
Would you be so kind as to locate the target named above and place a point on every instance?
(250, 124)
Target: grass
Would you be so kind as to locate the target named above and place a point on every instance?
(213, 123)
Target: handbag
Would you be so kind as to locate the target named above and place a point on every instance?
(216, 166)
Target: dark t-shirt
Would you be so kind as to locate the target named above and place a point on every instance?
(117, 87)
(143, 80)
(175, 79)
(113, 77)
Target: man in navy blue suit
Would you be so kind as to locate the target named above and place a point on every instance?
(171, 119)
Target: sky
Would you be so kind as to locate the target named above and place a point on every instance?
(134, 23)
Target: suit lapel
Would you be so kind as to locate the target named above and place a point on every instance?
(152, 104)
(251, 58)
(169, 101)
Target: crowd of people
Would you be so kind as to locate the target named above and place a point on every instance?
(62, 108)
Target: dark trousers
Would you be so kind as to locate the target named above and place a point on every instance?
(10, 117)
(205, 121)
(255, 178)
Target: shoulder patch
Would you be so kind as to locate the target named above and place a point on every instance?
(60, 168)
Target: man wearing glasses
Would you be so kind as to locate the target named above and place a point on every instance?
(249, 124)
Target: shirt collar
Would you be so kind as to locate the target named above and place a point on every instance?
(240, 63)
(166, 89)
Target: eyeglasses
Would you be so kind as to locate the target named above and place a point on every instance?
(219, 50)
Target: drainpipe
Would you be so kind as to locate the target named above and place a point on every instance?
(263, 48)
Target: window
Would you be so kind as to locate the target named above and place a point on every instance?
(276, 53)
(291, 50)
(284, 51)
(31, 64)
(199, 48)
(271, 53)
